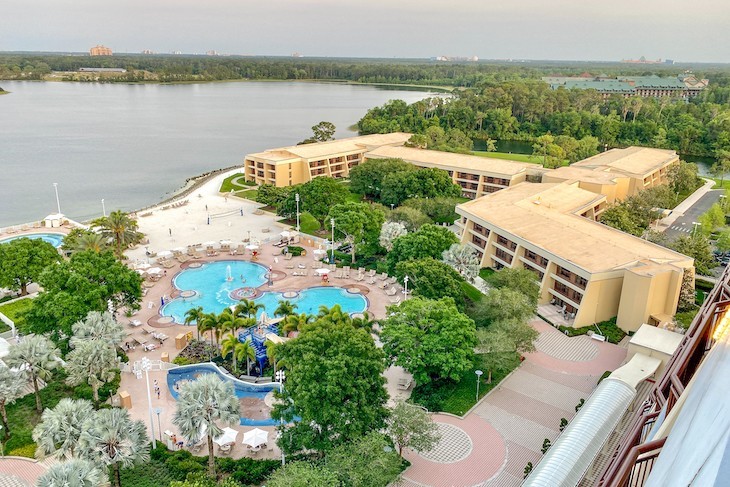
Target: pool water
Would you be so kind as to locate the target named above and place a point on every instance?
(213, 292)
(55, 239)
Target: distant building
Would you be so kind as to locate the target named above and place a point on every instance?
(297, 54)
(102, 70)
(685, 85)
(212, 53)
(100, 51)
(456, 59)
(148, 51)
(642, 60)
(176, 53)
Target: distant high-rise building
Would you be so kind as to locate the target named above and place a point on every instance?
(100, 51)
(148, 51)
(177, 53)
(297, 54)
(212, 53)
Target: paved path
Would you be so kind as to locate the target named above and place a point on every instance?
(508, 426)
(684, 225)
(20, 472)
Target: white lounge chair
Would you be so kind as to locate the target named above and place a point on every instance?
(391, 292)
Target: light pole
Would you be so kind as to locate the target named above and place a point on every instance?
(145, 365)
(332, 224)
(479, 379)
(280, 376)
(296, 197)
(103, 207)
(58, 202)
(694, 229)
(405, 288)
(157, 411)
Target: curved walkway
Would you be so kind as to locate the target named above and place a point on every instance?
(508, 426)
(20, 472)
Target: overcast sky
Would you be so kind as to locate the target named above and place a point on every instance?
(531, 29)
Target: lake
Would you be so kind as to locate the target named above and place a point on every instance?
(133, 144)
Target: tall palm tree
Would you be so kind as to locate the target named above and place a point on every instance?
(94, 362)
(463, 259)
(111, 438)
(209, 322)
(193, 315)
(98, 326)
(296, 322)
(232, 344)
(203, 403)
(39, 357)
(231, 322)
(76, 473)
(367, 322)
(120, 229)
(12, 387)
(90, 241)
(247, 307)
(285, 308)
(60, 428)
(333, 314)
(272, 354)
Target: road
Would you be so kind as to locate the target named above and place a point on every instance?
(683, 225)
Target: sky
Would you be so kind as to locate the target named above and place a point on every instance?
(507, 29)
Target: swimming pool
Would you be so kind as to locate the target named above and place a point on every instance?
(55, 239)
(213, 292)
(244, 390)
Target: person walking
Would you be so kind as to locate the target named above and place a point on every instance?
(157, 389)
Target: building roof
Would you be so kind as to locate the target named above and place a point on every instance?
(632, 160)
(584, 174)
(450, 159)
(655, 338)
(655, 82)
(544, 215)
(332, 147)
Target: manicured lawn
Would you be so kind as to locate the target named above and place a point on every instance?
(228, 184)
(471, 292)
(725, 183)
(15, 311)
(486, 272)
(307, 223)
(249, 194)
(509, 157)
(685, 318)
(608, 328)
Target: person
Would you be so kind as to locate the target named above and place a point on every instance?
(206, 207)
(180, 444)
(174, 439)
(170, 230)
(157, 389)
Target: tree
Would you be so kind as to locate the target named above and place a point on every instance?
(285, 308)
(12, 387)
(38, 356)
(619, 216)
(552, 155)
(683, 178)
(389, 231)
(23, 260)
(200, 479)
(501, 305)
(240, 350)
(119, 229)
(79, 240)
(111, 438)
(687, 296)
(94, 362)
(367, 178)
(247, 307)
(334, 384)
(422, 183)
(60, 428)
(411, 218)
(431, 339)
(431, 278)
(439, 209)
(74, 473)
(698, 247)
(193, 315)
(410, 426)
(98, 326)
(359, 223)
(501, 344)
(316, 197)
(271, 195)
(722, 165)
(428, 241)
(322, 132)
(211, 322)
(463, 259)
(296, 322)
(520, 280)
(366, 462)
(87, 282)
(723, 241)
(201, 405)
(302, 474)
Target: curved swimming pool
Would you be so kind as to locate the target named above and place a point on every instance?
(55, 239)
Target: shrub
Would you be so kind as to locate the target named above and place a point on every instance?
(23, 451)
(183, 360)
(296, 251)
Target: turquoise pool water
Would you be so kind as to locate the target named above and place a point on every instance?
(213, 291)
(55, 239)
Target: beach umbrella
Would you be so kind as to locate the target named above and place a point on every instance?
(285, 234)
(322, 271)
(252, 247)
(210, 243)
(143, 265)
(154, 270)
(229, 436)
(164, 253)
(179, 249)
(255, 437)
(226, 242)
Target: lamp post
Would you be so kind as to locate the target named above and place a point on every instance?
(405, 288)
(479, 378)
(58, 202)
(332, 243)
(103, 207)
(296, 197)
(145, 365)
(280, 376)
(157, 411)
(694, 229)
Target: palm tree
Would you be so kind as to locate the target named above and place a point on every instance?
(60, 428)
(12, 387)
(285, 308)
(119, 229)
(232, 344)
(272, 352)
(247, 307)
(193, 315)
(94, 362)
(296, 322)
(98, 326)
(91, 241)
(38, 356)
(76, 472)
(111, 438)
(367, 322)
(203, 403)
(463, 259)
(333, 314)
(210, 322)
(232, 323)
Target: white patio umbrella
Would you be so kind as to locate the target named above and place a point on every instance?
(255, 437)
(226, 242)
(252, 247)
(143, 265)
(179, 249)
(285, 234)
(209, 243)
(154, 270)
(322, 271)
(229, 436)
(164, 253)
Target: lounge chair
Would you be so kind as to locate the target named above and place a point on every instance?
(290, 266)
(338, 274)
(391, 280)
(383, 285)
(198, 255)
(404, 384)
(372, 272)
(371, 280)
(167, 264)
(396, 300)
(287, 256)
(383, 276)
(360, 277)
(304, 273)
(391, 292)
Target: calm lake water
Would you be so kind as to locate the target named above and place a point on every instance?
(133, 144)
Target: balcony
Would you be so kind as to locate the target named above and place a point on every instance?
(571, 278)
(504, 257)
(506, 243)
(478, 241)
(572, 298)
(533, 258)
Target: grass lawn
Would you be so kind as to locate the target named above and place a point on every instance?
(307, 223)
(509, 157)
(249, 194)
(608, 328)
(725, 183)
(471, 292)
(486, 272)
(228, 184)
(685, 317)
(14, 311)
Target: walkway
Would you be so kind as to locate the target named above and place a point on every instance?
(508, 426)
(20, 472)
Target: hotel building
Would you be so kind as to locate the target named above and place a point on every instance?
(100, 51)
(588, 272)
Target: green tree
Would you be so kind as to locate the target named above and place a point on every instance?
(410, 426)
(94, 362)
(322, 132)
(302, 474)
(296, 322)
(38, 356)
(200, 479)
(98, 326)
(722, 165)
(23, 260)
(111, 438)
(501, 305)
(316, 197)
(431, 278)
(87, 282)
(431, 339)
(74, 473)
(193, 315)
(271, 195)
(428, 241)
(359, 223)
(247, 307)
(698, 247)
(683, 177)
(422, 183)
(12, 387)
(201, 405)
(79, 240)
(389, 231)
(211, 322)
(239, 350)
(440, 210)
(620, 217)
(119, 229)
(334, 384)
(367, 178)
(285, 308)
(501, 344)
(366, 462)
(520, 280)
(411, 218)
(723, 241)
(60, 428)
(550, 153)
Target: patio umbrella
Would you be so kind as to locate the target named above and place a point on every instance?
(141, 272)
(285, 234)
(322, 271)
(164, 253)
(210, 243)
(255, 437)
(179, 249)
(229, 436)
(252, 247)
(226, 242)
(154, 270)
(143, 265)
